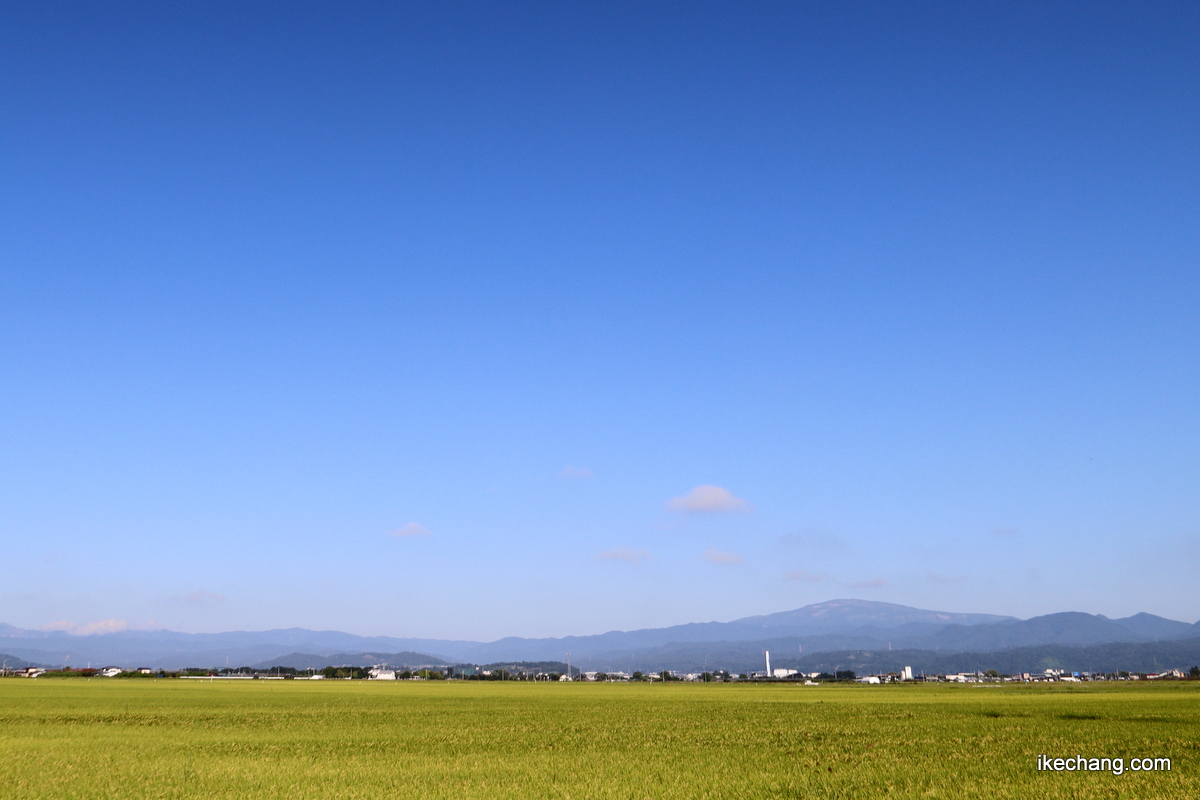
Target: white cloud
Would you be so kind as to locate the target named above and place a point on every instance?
(714, 556)
(59, 625)
(576, 473)
(89, 628)
(409, 529)
(802, 576)
(624, 554)
(101, 626)
(707, 499)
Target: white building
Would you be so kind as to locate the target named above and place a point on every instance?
(780, 672)
(381, 674)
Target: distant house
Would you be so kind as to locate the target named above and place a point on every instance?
(381, 674)
(144, 670)
(110, 672)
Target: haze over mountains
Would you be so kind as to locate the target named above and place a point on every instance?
(833, 626)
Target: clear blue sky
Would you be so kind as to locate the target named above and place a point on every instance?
(916, 285)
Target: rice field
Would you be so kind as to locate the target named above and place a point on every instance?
(75, 738)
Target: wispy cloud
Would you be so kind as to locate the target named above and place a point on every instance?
(101, 626)
(88, 628)
(59, 625)
(203, 597)
(409, 529)
(625, 554)
(714, 556)
(874, 583)
(800, 575)
(576, 473)
(707, 499)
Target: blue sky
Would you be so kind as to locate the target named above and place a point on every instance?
(910, 288)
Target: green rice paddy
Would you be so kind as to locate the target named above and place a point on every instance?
(75, 738)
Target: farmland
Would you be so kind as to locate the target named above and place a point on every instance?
(74, 738)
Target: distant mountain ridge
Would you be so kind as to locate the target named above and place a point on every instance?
(12, 662)
(834, 625)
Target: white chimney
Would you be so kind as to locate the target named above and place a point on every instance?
(768, 652)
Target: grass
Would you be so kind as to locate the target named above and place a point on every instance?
(74, 738)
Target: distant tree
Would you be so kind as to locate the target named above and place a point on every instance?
(991, 673)
(1194, 672)
(637, 676)
(845, 675)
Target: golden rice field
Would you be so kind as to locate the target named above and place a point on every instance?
(74, 738)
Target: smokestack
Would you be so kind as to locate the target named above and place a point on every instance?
(768, 652)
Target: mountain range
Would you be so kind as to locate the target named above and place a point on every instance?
(833, 626)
